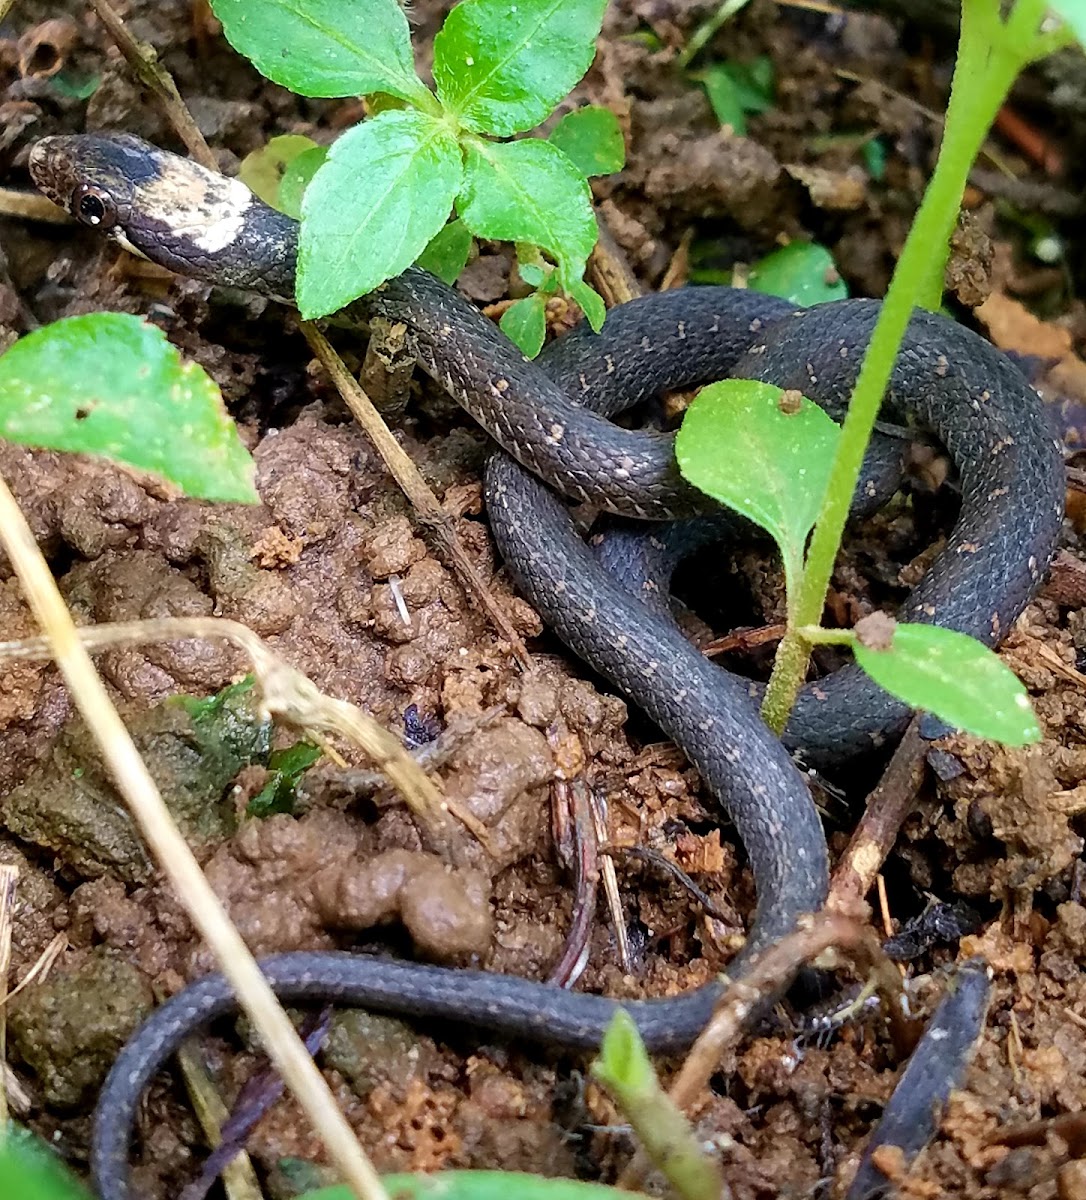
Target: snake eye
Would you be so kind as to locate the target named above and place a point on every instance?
(93, 207)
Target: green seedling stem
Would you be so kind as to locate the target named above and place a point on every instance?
(991, 53)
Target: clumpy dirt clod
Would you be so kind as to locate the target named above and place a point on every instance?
(68, 1030)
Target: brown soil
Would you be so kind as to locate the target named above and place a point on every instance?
(310, 568)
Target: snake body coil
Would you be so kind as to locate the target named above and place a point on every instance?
(551, 417)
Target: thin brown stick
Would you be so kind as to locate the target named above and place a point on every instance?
(176, 859)
(743, 639)
(31, 206)
(9, 882)
(427, 508)
(158, 81)
(609, 878)
(887, 807)
(41, 967)
(612, 275)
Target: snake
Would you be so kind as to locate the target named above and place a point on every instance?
(551, 419)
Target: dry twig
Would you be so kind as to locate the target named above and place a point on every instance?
(158, 81)
(887, 807)
(9, 881)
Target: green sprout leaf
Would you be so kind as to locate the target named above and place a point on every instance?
(262, 171)
(326, 47)
(386, 189)
(447, 254)
(31, 1171)
(111, 384)
(591, 139)
(286, 767)
(590, 300)
(479, 1185)
(736, 89)
(500, 68)
(524, 323)
(74, 84)
(529, 191)
(873, 153)
(724, 98)
(955, 677)
(297, 177)
(803, 272)
(738, 445)
(623, 1067)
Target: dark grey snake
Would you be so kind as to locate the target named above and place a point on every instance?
(551, 416)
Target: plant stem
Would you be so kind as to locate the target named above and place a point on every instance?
(988, 62)
(815, 635)
(704, 33)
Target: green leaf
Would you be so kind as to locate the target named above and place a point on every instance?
(447, 254)
(529, 191)
(479, 1185)
(591, 302)
(623, 1063)
(955, 677)
(532, 273)
(501, 68)
(297, 177)
(29, 1170)
(369, 212)
(738, 446)
(111, 384)
(873, 152)
(524, 323)
(735, 89)
(262, 171)
(74, 84)
(802, 272)
(591, 139)
(723, 95)
(286, 767)
(754, 83)
(326, 47)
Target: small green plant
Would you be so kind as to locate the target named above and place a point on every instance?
(737, 90)
(377, 200)
(946, 673)
(624, 1068)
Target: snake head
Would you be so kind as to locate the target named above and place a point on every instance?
(169, 209)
